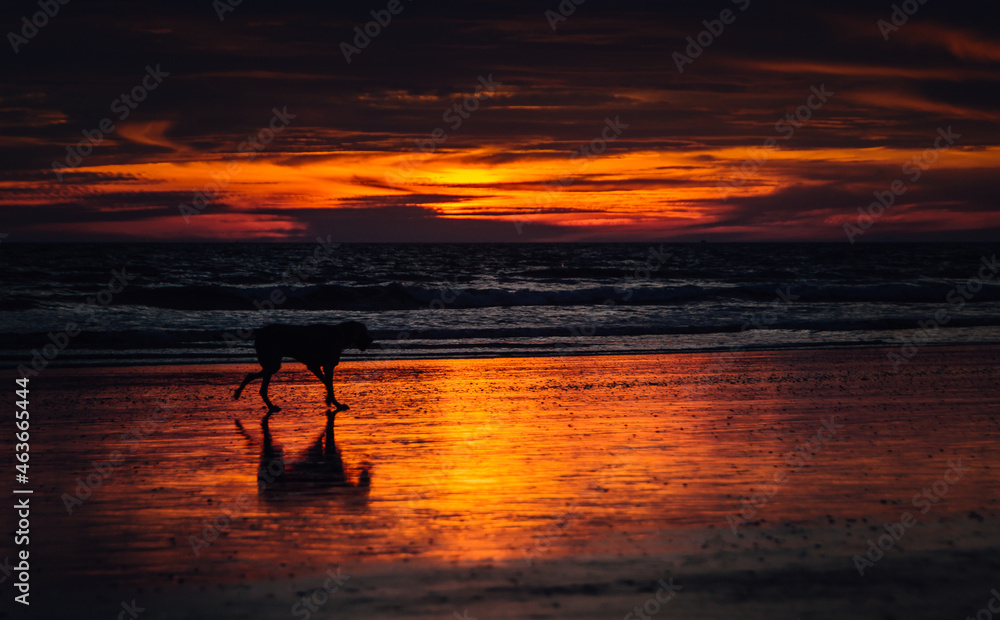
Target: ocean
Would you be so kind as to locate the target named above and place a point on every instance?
(167, 303)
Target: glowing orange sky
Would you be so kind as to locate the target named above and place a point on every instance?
(673, 191)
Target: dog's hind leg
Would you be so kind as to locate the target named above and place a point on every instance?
(270, 363)
(253, 376)
(271, 407)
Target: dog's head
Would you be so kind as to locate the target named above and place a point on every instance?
(357, 335)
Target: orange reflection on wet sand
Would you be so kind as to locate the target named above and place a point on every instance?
(502, 459)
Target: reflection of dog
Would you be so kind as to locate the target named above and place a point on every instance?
(317, 346)
(320, 471)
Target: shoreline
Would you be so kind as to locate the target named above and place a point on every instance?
(12, 364)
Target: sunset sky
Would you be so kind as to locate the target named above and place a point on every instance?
(375, 149)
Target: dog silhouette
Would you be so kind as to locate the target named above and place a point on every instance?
(317, 346)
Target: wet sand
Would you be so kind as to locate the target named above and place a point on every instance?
(561, 487)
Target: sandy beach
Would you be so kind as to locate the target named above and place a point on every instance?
(549, 487)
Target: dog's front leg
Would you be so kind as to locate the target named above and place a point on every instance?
(331, 399)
